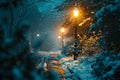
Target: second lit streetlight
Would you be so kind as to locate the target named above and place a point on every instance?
(62, 36)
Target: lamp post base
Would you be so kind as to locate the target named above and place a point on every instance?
(75, 56)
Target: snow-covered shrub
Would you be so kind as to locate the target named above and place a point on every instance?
(67, 49)
(107, 63)
(107, 66)
(17, 63)
(107, 21)
(87, 46)
(16, 60)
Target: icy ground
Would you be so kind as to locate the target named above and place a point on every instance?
(74, 69)
(77, 69)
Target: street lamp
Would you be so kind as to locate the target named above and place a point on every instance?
(62, 36)
(76, 14)
(62, 30)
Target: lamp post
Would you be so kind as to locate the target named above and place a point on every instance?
(76, 14)
(62, 36)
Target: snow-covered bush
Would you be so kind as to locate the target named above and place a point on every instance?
(107, 63)
(16, 60)
(67, 49)
(17, 63)
(107, 21)
(87, 46)
(107, 66)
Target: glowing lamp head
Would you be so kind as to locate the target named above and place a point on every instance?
(59, 37)
(76, 12)
(62, 30)
(38, 35)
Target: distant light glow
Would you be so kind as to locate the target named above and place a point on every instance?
(59, 37)
(92, 12)
(38, 35)
(62, 30)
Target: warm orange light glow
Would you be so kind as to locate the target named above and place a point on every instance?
(76, 12)
(59, 37)
(62, 30)
(87, 19)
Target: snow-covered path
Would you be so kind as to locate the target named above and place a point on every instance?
(78, 70)
(74, 69)
(54, 54)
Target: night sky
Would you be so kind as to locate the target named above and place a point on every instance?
(47, 25)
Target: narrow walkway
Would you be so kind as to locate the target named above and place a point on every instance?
(67, 68)
(49, 62)
(77, 69)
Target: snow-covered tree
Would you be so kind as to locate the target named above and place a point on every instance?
(107, 21)
(17, 62)
(87, 8)
(107, 63)
(15, 12)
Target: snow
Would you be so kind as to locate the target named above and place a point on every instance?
(81, 68)
(74, 69)
(56, 53)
